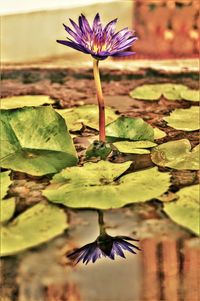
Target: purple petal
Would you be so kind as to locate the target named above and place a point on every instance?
(85, 24)
(125, 44)
(127, 238)
(90, 253)
(72, 33)
(126, 247)
(131, 245)
(104, 53)
(110, 27)
(118, 250)
(100, 57)
(120, 34)
(82, 256)
(77, 252)
(81, 253)
(97, 23)
(124, 53)
(79, 32)
(112, 254)
(74, 46)
(97, 254)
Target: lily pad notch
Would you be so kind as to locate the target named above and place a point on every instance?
(94, 186)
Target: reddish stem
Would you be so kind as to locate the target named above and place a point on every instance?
(102, 134)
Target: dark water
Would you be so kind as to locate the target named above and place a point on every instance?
(166, 269)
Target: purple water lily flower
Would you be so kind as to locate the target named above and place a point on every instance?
(106, 246)
(97, 40)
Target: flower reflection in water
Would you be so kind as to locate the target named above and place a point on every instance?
(104, 246)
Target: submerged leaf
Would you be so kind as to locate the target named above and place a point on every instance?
(36, 225)
(35, 141)
(87, 115)
(191, 95)
(95, 185)
(21, 101)
(7, 207)
(184, 119)
(176, 154)
(126, 128)
(153, 92)
(134, 147)
(185, 210)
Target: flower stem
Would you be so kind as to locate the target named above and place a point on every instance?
(102, 135)
(101, 222)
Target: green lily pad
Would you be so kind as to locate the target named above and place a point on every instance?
(87, 115)
(146, 92)
(5, 183)
(154, 91)
(184, 119)
(95, 186)
(36, 225)
(158, 134)
(176, 154)
(134, 147)
(35, 141)
(173, 91)
(21, 101)
(126, 128)
(7, 207)
(185, 210)
(191, 95)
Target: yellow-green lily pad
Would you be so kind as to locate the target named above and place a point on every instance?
(185, 210)
(7, 206)
(36, 225)
(134, 147)
(5, 183)
(95, 186)
(158, 134)
(177, 154)
(35, 141)
(21, 101)
(7, 209)
(191, 95)
(184, 119)
(146, 92)
(153, 92)
(87, 115)
(126, 128)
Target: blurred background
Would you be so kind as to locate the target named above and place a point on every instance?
(166, 28)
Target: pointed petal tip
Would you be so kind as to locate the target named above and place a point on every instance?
(96, 19)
